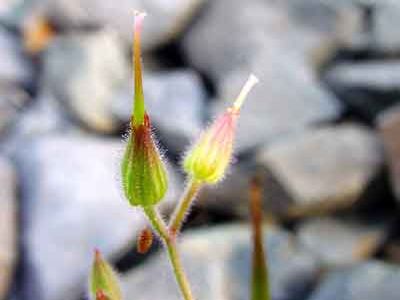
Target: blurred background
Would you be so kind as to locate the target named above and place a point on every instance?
(321, 130)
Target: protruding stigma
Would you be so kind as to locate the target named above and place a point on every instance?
(139, 109)
(250, 83)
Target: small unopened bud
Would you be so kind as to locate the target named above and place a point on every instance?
(100, 295)
(144, 176)
(103, 281)
(208, 160)
(145, 240)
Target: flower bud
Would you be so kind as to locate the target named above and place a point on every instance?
(145, 240)
(208, 160)
(103, 281)
(143, 173)
(100, 295)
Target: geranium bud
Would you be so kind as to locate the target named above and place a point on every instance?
(144, 176)
(209, 158)
(144, 241)
(103, 281)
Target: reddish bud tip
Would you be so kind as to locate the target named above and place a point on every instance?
(145, 240)
(103, 281)
(100, 295)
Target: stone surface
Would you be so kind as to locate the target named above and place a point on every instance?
(93, 68)
(175, 103)
(326, 165)
(231, 196)
(14, 69)
(6, 6)
(261, 26)
(218, 265)
(368, 87)
(338, 242)
(386, 19)
(44, 116)
(389, 125)
(8, 224)
(12, 100)
(167, 19)
(339, 20)
(369, 281)
(252, 42)
(72, 203)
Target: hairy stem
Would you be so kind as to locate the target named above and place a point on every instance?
(170, 243)
(179, 215)
(178, 270)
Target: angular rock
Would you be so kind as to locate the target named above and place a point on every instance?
(366, 88)
(339, 242)
(84, 71)
(14, 69)
(259, 39)
(218, 266)
(168, 18)
(8, 225)
(369, 281)
(72, 203)
(175, 102)
(325, 166)
(389, 125)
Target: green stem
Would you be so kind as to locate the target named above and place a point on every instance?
(157, 222)
(178, 270)
(179, 215)
(170, 243)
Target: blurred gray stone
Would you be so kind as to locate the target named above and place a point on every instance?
(72, 203)
(366, 87)
(8, 225)
(45, 115)
(386, 22)
(259, 39)
(339, 21)
(175, 103)
(14, 69)
(42, 117)
(84, 71)
(389, 125)
(12, 99)
(167, 19)
(326, 165)
(240, 33)
(218, 265)
(381, 75)
(339, 242)
(6, 6)
(231, 196)
(369, 281)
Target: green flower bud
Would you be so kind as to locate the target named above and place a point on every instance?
(103, 281)
(143, 172)
(144, 176)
